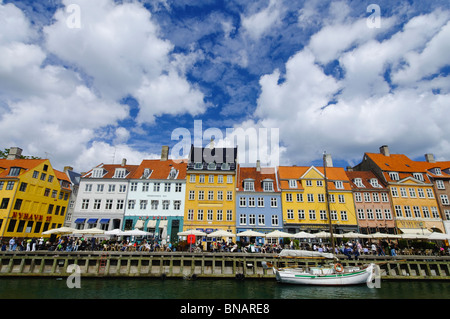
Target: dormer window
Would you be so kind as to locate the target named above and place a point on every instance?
(97, 172)
(418, 176)
(198, 165)
(292, 183)
(173, 173)
(147, 172)
(358, 182)
(339, 185)
(249, 186)
(268, 186)
(394, 176)
(120, 173)
(374, 182)
(225, 167)
(437, 171)
(14, 171)
(211, 166)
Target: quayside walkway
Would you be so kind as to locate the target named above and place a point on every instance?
(189, 265)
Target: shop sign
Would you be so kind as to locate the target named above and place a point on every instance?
(29, 216)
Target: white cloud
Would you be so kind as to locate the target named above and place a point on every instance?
(259, 23)
(367, 111)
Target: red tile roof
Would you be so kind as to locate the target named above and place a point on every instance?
(365, 177)
(26, 164)
(258, 177)
(161, 169)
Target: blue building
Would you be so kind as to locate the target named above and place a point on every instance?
(258, 200)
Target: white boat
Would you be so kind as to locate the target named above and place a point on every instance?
(333, 275)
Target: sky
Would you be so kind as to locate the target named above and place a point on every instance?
(86, 82)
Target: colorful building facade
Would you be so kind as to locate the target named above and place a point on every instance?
(304, 203)
(413, 198)
(33, 196)
(210, 202)
(156, 197)
(258, 200)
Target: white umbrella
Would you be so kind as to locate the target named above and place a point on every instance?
(89, 231)
(384, 235)
(116, 232)
(439, 236)
(303, 234)
(355, 235)
(59, 231)
(221, 233)
(191, 232)
(250, 233)
(413, 236)
(322, 234)
(135, 232)
(279, 234)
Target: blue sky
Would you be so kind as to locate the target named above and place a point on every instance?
(84, 82)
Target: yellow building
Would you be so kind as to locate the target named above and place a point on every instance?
(33, 196)
(414, 203)
(303, 197)
(211, 189)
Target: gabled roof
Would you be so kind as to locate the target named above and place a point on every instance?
(266, 173)
(219, 155)
(26, 164)
(365, 177)
(110, 170)
(160, 169)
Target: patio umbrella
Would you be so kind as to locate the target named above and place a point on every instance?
(89, 231)
(135, 232)
(250, 233)
(114, 232)
(278, 234)
(439, 236)
(303, 234)
(191, 232)
(413, 236)
(355, 235)
(221, 233)
(322, 234)
(384, 235)
(59, 231)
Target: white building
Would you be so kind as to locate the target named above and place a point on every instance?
(102, 196)
(156, 197)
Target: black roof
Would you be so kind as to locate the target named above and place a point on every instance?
(207, 155)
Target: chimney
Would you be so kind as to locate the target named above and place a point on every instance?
(124, 161)
(430, 158)
(68, 168)
(14, 153)
(385, 150)
(258, 166)
(165, 153)
(328, 161)
(349, 169)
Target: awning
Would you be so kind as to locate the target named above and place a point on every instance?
(415, 231)
(139, 224)
(151, 224)
(104, 221)
(80, 220)
(162, 223)
(92, 220)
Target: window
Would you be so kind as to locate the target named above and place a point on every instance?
(334, 215)
(268, 186)
(147, 172)
(156, 187)
(430, 193)
(358, 182)
(120, 173)
(321, 198)
(319, 183)
(210, 195)
(225, 166)
(361, 213)
(444, 200)
(374, 182)
(376, 197)
(260, 202)
(261, 219)
(219, 215)
(190, 215)
(4, 204)
(398, 211)
(192, 178)
(310, 198)
(219, 195)
(145, 186)
(290, 214)
(211, 166)
(100, 188)
(178, 188)
(434, 212)
(112, 188)
(177, 204)
(358, 197)
(14, 171)
(85, 204)
(251, 202)
(416, 211)
(23, 187)
(344, 215)
(331, 198)
(341, 199)
(299, 197)
(229, 179)
(10, 185)
(394, 176)
(274, 220)
(289, 197)
(97, 203)
(249, 186)
(120, 204)
(394, 192)
(384, 198)
(211, 179)
(426, 212)
(367, 197)
(97, 172)
(18, 204)
(407, 211)
(312, 214)
(242, 202)
(43, 176)
(165, 204)
(229, 195)
(440, 184)
(273, 202)
(387, 214)
(378, 213)
(293, 183)
(412, 192)
(301, 214)
(200, 214)
(167, 187)
(403, 192)
(201, 195)
(47, 192)
(201, 178)
(191, 195)
(418, 176)
(122, 188)
(131, 203)
(243, 219)
(209, 214)
(220, 179)
(229, 215)
(339, 185)
(323, 214)
(252, 219)
(369, 213)
(437, 171)
(133, 186)
(198, 165)
(109, 203)
(35, 174)
(143, 204)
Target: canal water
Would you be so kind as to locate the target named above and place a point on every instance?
(202, 289)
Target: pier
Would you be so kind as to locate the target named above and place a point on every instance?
(201, 265)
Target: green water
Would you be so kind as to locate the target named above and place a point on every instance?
(56, 288)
